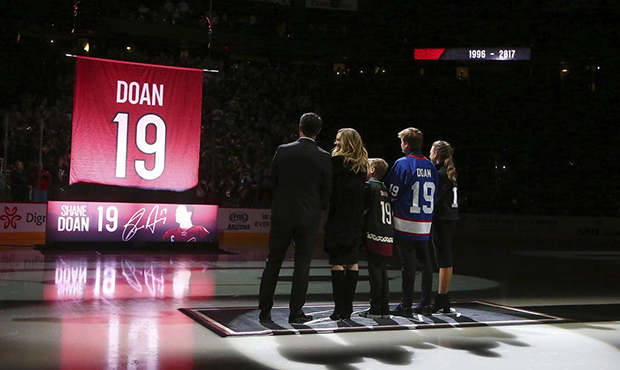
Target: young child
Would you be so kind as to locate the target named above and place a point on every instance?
(379, 238)
(412, 182)
(444, 220)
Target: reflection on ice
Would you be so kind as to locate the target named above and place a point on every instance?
(70, 278)
(109, 278)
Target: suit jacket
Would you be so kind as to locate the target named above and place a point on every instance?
(301, 176)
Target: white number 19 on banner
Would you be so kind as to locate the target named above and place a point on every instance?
(158, 147)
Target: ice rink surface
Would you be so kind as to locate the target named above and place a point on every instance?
(93, 310)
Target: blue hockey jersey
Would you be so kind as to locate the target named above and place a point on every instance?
(412, 183)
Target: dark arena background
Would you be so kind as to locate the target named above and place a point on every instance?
(527, 93)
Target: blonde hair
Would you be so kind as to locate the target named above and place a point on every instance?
(352, 149)
(444, 152)
(413, 137)
(379, 165)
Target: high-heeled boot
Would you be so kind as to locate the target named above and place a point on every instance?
(441, 304)
(338, 280)
(349, 292)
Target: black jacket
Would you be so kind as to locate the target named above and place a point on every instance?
(301, 177)
(447, 207)
(345, 217)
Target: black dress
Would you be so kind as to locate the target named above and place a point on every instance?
(345, 216)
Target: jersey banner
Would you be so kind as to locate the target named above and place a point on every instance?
(130, 222)
(136, 125)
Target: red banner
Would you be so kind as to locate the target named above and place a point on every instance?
(136, 125)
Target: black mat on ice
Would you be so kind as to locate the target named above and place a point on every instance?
(235, 321)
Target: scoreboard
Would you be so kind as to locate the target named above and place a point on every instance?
(500, 54)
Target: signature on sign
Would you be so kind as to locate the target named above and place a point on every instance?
(132, 227)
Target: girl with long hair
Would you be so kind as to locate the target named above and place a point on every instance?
(345, 218)
(444, 220)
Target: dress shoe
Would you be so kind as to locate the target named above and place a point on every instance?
(402, 311)
(385, 311)
(301, 318)
(264, 315)
(368, 314)
(422, 309)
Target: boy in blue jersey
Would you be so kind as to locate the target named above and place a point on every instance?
(412, 182)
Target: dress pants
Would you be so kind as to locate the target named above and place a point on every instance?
(279, 240)
(411, 251)
(379, 284)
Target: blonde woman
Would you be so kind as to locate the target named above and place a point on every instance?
(446, 214)
(345, 218)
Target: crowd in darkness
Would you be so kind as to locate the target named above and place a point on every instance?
(247, 111)
(277, 19)
(190, 13)
(524, 145)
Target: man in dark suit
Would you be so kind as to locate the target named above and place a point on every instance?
(301, 178)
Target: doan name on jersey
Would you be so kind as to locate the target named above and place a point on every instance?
(424, 172)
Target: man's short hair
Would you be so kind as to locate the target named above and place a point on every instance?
(413, 137)
(310, 124)
(380, 167)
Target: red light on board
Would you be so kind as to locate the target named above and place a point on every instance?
(427, 54)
